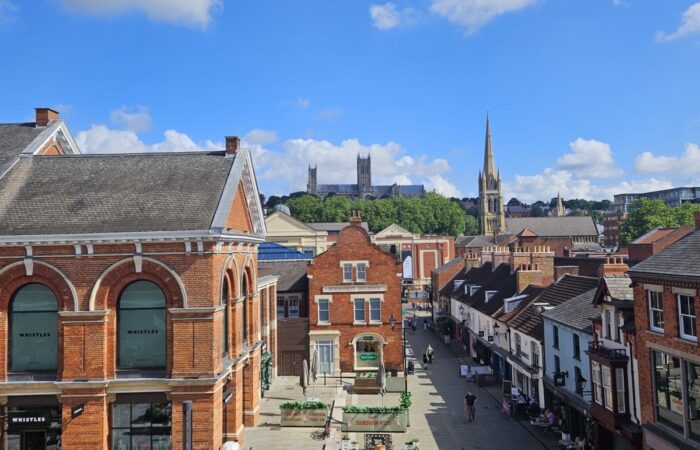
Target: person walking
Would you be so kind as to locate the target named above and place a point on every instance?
(470, 405)
(429, 351)
(425, 324)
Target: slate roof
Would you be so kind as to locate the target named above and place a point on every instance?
(113, 193)
(442, 268)
(271, 251)
(553, 226)
(529, 321)
(333, 226)
(619, 287)
(501, 280)
(575, 313)
(448, 288)
(14, 138)
(679, 260)
(292, 274)
(658, 233)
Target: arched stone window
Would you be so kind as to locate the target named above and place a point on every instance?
(33, 329)
(224, 333)
(141, 327)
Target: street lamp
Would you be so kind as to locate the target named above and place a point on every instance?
(392, 321)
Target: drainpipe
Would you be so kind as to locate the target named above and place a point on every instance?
(634, 396)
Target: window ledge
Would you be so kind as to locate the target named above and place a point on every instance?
(323, 324)
(657, 331)
(359, 323)
(376, 322)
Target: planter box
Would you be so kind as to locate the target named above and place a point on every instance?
(395, 384)
(384, 422)
(303, 417)
(365, 384)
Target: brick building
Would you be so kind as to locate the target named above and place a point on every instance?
(666, 300)
(128, 285)
(354, 291)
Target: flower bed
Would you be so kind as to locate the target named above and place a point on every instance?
(303, 414)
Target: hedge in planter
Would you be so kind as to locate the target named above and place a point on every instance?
(375, 418)
(303, 414)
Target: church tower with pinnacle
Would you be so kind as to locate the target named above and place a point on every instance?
(492, 219)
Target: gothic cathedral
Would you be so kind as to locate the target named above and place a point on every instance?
(491, 212)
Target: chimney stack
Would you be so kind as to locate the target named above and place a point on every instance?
(233, 143)
(44, 116)
(356, 219)
(697, 220)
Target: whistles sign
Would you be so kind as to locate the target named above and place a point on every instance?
(24, 420)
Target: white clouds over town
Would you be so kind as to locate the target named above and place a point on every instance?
(690, 24)
(195, 13)
(387, 16)
(589, 159)
(474, 14)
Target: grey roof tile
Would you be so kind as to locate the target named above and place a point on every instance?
(553, 226)
(14, 138)
(112, 193)
(576, 312)
(292, 274)
(680, 259)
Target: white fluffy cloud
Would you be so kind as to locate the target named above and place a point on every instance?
(196, 13)
(101, 139)
(337, 163)
(137, 121)
(302, 103)
(690, 23)
(388, 16)
(589, 159)
(258, 136)
(550, 182)
(688, 163)
(474, 14)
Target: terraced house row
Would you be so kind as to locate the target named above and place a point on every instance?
(128, 287)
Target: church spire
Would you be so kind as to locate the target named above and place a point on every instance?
(489, 166)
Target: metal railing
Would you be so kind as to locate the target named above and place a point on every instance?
(598, 348)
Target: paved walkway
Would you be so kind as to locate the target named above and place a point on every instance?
(437, 415)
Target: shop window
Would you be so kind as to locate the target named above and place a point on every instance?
(367, 352)
(555, 336)
(375, 310)
(361, 272)
(597, 383)
(656, 312)
(141, 426)
(577, 347)
(33, 329)
(141, 325)
(359, 309)
(686, 317)
(668, 391)
(693, 399)
(324, 315)
(32, 427)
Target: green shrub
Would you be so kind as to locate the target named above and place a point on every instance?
(405, 401)
(303, 405)
(373, 409)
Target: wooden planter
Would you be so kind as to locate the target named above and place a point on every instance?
(303, 417)
(365, 385)
(378, 422)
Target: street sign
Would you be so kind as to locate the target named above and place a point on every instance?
(77, 410)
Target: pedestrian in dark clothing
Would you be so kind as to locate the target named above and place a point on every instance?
(425, 358)
(430, 357)
(425, 324)
(470, 405)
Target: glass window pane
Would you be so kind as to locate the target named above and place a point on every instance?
(34, 297)
(142, 294)
(121, 415)
(33, 341)
(375, 310)
(142, 338)
(121, 440)
(693, 392)
(669, 391)
(359, 310)
(620, 387)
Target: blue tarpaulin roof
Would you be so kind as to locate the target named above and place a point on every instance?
(271, 251)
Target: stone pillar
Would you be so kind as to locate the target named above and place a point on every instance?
(90, 430)
(251, 389)
(194, 342)
(234, 408)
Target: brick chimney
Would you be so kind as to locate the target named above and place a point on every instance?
(560, 271)
(471, 259)
(501, 255)
(355, 219)
(527, 274)
(697, 220)
(233, 143)
(44, 116)
(543, 256)
(614, 265)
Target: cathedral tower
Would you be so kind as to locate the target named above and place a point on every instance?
(491, 212)
(311, 184)
(364, 176)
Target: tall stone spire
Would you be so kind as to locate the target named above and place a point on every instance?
(489, 166)
(561, 212)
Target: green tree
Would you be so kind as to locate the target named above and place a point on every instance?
(378, 214)
(537, 211)
(646, 214)
(335, 209)
(514, 202)
(685, 215)
(471, 227)
(306, 208)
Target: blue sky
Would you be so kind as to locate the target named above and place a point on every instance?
(586, 97)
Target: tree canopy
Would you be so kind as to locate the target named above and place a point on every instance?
(646, 214)
(432, 214)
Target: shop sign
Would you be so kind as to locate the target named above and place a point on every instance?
(368, 356)
(26, 420)
(77, 411)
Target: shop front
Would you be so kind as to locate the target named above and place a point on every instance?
(32, 423)
(482, 348)
(501, 366)
(368, 351)
(572, 411)
(142, 420)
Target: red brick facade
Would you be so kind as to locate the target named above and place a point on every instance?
(342, 331)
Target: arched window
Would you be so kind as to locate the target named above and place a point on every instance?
(33, 329)
(244, 330)
(224, 333)
(141, 325)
